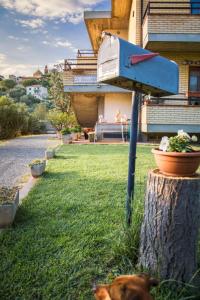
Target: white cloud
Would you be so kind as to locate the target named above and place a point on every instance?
(35, 23)
(2, 57)
(68, 11)
(65, 44)
(59, 42)
(11, 37)
(46, 43)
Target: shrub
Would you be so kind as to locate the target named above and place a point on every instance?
(15, 119)
(61, 119)
(12, 117)
(65, 131)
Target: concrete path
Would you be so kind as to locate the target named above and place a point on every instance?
(16, 154)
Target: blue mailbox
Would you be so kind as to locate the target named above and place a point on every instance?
(131, 67)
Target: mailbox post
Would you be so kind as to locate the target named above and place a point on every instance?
(128, 66)
(132, 155)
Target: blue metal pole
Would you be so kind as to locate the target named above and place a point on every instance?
(132, 156)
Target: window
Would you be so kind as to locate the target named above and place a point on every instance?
(194, 80)
(194, 86)
(195, 7)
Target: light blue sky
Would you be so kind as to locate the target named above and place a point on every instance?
(34, 33)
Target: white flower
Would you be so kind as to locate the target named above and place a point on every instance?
(194, 138)
(183, 134)
(164, 143)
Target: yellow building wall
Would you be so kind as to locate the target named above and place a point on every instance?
(135, 28)
(170, 114)
(120, 33)
(117, 102)
(180, 59)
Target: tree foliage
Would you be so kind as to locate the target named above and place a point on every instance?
(61, 119)
(59, 97)
(15, 119)
(16, 93)
(29, 82)
(7, 84)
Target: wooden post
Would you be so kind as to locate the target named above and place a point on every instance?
(169, 233)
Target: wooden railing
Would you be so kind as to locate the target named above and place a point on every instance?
(83, 63)
(172, 8)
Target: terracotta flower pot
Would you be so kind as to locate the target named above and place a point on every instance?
(176, 163)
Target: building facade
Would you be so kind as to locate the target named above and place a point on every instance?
(37, 91)
(171, 28)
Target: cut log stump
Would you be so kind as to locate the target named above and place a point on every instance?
(169, 233)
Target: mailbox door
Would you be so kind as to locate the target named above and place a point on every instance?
(108, 59)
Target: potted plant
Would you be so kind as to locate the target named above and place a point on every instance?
(75, 132)
(66, 136)
(176, 156)
(37, 167)
(50, 153)
(9, 201)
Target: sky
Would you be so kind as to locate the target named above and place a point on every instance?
(35, 33)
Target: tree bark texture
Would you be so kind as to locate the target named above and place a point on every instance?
(169, 233)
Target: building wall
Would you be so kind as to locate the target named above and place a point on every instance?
(170, 115)
(39, 92)
(135, 29)
(120, 33)
(117, 102)
(180, 59)
(172, 23)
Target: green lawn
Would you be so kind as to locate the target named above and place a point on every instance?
(69, 231)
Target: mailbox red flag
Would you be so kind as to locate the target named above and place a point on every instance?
(135, 59)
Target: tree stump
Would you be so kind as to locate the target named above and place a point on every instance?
(169, 233)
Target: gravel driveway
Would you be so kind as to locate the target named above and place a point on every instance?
(16, 154)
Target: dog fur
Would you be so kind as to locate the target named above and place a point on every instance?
(127, 287)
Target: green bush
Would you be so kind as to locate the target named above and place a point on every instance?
(11, 117)
(15, 119)
(65, 131)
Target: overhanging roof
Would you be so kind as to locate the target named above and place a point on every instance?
(98, 21)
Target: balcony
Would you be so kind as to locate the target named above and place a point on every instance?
(172, 26)
(80, 75)
(164, 116)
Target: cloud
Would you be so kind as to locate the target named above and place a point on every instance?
(2, 57)
(67, 11)
(34, 23)
(59, 43)
(11, 37)
(65, 44)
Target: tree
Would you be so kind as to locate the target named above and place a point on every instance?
(59, 97)
(8, 84)
(16, 93)
(29, 82)
(40, 111)
(12, 117)
(29, 100)
(61, 119)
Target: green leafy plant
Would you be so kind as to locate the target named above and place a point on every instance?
(7, 195)
(36, 162)
(182, 142)
(65, 131)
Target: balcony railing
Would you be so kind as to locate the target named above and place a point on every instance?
(192, 99)
(172, 8)
(82, 63)
(84, 79)
(86, 53)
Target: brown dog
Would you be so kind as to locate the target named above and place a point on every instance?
(127, 287)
